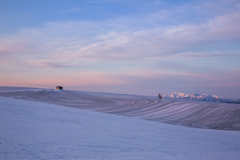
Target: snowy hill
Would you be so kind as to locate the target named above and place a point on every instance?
(35, 130)
(198, 114)
(201, 97)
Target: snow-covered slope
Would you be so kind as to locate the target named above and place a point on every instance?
(202, 97)
(197, 114)
(35, 130)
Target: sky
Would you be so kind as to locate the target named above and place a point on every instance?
(122, 46)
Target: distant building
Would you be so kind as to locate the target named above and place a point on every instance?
(59, 88)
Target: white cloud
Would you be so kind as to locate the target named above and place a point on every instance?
(123, 39)
(72, 10)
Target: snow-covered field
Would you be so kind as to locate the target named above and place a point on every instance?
(190, 113)
(41, 127)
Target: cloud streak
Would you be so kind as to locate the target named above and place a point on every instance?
(118, 40)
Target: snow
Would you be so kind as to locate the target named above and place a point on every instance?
(17, 89)
(37, 130)
(190, 113)
(202, 97)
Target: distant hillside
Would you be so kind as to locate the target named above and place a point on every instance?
(202, 97)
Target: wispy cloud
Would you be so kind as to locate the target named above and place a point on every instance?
(71, 10)
(123, 39)
(45, 63)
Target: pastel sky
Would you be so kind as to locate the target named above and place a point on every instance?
(142, 47)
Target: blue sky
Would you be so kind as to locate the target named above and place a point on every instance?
(122, 46)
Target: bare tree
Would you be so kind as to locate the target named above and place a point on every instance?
(159, 96)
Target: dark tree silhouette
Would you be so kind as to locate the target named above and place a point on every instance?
(159, 96)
